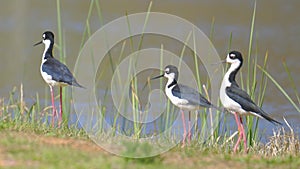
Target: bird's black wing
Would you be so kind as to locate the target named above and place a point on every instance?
(241, 97)
(190, 94)
(59, 72)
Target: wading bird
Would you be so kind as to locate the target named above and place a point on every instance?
(54, 72)
(237, 101)
(184, 97)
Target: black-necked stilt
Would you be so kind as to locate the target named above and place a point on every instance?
(54, 72)
(184, 97)
(237, 101)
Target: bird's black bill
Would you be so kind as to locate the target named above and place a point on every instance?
(157, 77)
(38, 43)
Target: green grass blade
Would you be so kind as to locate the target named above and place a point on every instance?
(280, 88)
(250, 46)
(196, 64)
(145, 25)
(99, 12)
(291, 79)
(263, 82)
(254, 76)
(86, 28)
(59, 30)
(183, 50)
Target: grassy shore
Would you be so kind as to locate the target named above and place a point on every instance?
(29, 149)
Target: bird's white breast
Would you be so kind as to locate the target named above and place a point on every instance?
(226, 101)
(181, 103)
(48, 78)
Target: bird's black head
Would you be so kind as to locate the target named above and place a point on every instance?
(236, 60)
(48, 38)
(170, 72)
(48, 35)
(234, 57)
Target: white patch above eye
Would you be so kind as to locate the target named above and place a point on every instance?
(167, 69)
(232, 55)
(44, 36)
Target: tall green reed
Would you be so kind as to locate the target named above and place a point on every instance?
(62, 57)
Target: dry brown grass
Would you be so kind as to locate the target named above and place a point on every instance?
(282, 143)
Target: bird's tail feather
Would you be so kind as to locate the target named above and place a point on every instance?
(265, 116)
(77, 85)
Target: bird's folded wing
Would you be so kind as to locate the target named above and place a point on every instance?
(59, 71)
(241, 97)
(192, 95)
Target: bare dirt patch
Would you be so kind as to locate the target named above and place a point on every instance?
(83, 145)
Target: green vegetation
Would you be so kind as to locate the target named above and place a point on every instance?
(29, 150)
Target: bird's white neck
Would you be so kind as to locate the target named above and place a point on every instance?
(232, 70)
(227, 82)
(47, 46)
(170, 83)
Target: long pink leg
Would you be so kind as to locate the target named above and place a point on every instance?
(53, 106)
(189, 132)
(240, 132)
(244, 136)
(184, 128)
(60, 106)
